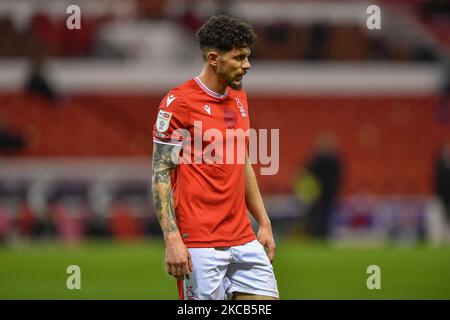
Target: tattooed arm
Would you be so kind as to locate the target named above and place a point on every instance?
(178, 259)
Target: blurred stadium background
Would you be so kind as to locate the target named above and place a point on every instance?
(364, 123)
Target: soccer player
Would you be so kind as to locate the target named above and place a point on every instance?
(210, 246)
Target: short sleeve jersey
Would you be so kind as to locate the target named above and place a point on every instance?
(208, 184)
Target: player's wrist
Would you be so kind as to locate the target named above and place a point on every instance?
(265, 223)
(172, 236)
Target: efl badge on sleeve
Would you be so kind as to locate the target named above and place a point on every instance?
(163, 121)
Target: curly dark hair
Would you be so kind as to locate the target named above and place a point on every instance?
(225, 33)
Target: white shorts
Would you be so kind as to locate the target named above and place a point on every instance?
(218, 272)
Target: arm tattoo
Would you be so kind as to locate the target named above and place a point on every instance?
(161, 186)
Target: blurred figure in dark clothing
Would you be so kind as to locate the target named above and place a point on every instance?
(443, 103)
(442, 178)
(10, 142)
(325, 166)
(318, 42)
(435, 8)
(37, 83)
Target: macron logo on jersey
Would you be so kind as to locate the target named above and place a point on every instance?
(207, 109)
(170, 99)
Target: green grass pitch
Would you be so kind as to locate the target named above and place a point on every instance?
(111, 270)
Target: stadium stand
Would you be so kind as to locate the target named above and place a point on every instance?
(317, 69)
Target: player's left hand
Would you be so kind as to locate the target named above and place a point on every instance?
(265, 237)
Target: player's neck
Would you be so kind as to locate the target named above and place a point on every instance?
(211, 80)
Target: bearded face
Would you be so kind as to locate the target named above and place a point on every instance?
(232, 66)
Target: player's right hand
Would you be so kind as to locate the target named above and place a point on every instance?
(178, 258)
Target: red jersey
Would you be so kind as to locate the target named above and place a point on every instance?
(209, 196)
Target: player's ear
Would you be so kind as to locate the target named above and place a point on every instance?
(212, 57)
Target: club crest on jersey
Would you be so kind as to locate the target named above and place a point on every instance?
(241, 108)
(163, 121)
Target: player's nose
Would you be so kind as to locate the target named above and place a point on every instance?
(246, 65)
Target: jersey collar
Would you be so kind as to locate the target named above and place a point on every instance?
(209, 91)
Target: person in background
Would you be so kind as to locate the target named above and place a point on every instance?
(37, 83)
(442, 180)
(326, 168)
